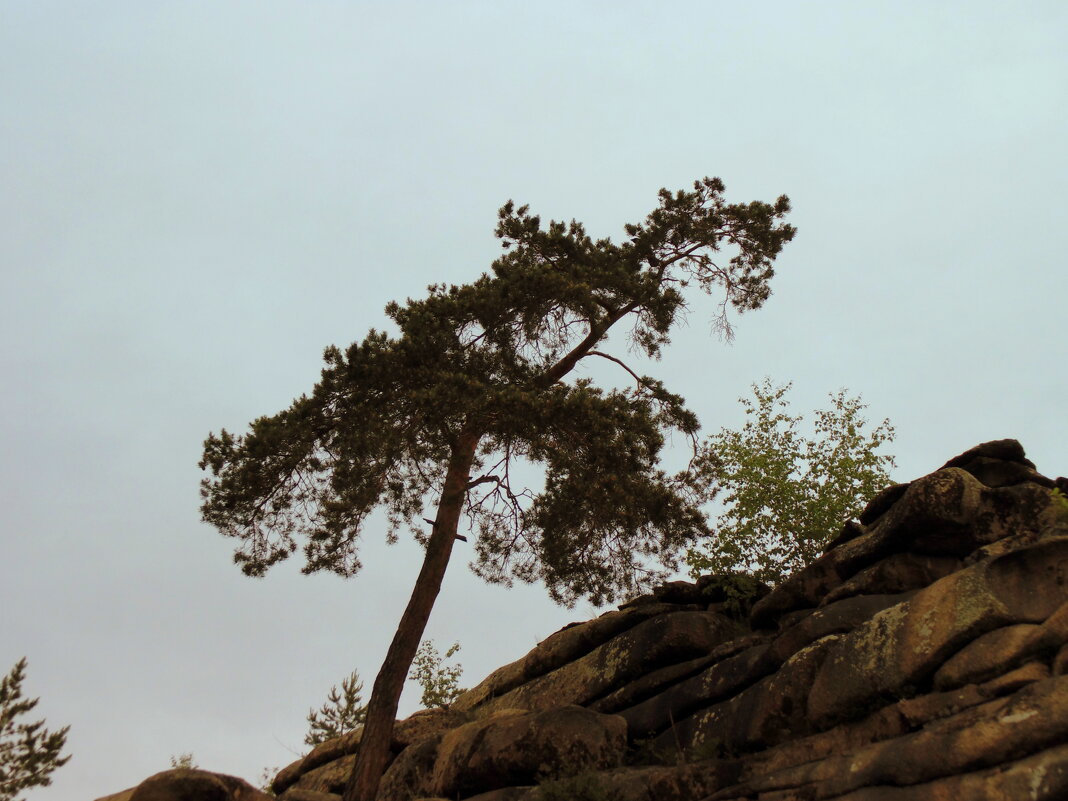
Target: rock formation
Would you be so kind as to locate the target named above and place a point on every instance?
(922, 656)
(190, 784)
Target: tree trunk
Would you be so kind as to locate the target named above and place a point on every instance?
(385, 696)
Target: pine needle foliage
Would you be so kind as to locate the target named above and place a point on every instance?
(343, 711)
(784, 496)
(29, 753)
(490, 357)
(480, 380)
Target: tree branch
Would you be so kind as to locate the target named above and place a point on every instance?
(482, 480)
(634, 375)
(568, 361)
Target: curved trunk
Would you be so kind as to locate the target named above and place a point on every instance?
(385, 696)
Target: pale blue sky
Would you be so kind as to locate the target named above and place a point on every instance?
(198, 197)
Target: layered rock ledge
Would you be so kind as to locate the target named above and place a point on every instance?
(924, 655)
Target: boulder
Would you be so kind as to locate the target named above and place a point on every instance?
(652, 644)
(190, 784)
(423, 723)
(1008, 450)
(328, 778)
(995, 733)
(899, 649)
(988, 656)
(566, 645)
(767, 713)
(899, 572)
(713, 684)
(639, 784)
(519, 748)
(298, 794)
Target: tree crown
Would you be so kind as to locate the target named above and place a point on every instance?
(784, 496)
(487, 361)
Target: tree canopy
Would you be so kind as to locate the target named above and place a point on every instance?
(785, 496)
(474, 382)
(489, 357)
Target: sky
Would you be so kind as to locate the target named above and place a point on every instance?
(196, 198)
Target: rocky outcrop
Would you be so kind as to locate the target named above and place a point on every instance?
(190, 784)
(924, 655)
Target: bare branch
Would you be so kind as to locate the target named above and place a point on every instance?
(620, 363)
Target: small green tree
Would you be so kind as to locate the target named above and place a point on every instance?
(343, 711)
(29, 753)
(785, 496)
(440, 683)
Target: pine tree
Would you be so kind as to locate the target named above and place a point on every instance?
(343, 711)
(475, 382)
(29, 753)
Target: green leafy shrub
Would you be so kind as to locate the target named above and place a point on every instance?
(440, 683)
(785, 496)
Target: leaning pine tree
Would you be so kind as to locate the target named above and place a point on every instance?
(478, 378)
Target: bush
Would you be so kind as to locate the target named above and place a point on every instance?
(784, 496)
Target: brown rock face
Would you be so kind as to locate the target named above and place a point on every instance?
(653, 643)
(184, 784)
(516, 748)
(922, 657)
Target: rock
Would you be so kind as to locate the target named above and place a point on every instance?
(988, 656)
(1003, 449)
(653, 643)
(640, 784)
(423, 723)
(410, 773)
(997, 732)
(878, 505)
(190, 784)
(835, 618)
(1060, 662)
(1041, 777)
(504, 794)
(899, 572)
(328, 778)
(934, 515)
(901, 647)
(556, 650)
(719, 681)
(649, 685)
(997, 473)
(765, 714)
(1012, 681)
(517, 748)
(681, 593)
(121, 796)
(297, 794)
(923, 656)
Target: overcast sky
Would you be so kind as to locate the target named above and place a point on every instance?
(197, 197)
